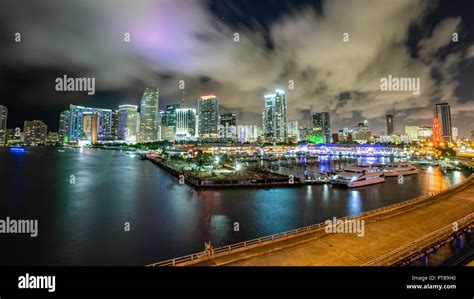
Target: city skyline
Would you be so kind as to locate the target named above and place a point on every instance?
(86, 125)
(240, 68)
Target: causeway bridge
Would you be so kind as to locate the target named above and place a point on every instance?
(394, 235)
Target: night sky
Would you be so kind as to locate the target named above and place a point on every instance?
(279, 41)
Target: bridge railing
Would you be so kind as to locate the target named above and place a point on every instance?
(204, 255)
(443, 231)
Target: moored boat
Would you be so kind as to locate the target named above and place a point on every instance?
(358, 176)
(400, 168)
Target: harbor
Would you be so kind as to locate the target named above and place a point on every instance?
(294, 171)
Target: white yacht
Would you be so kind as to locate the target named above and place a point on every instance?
(400, 168)
(357, 176)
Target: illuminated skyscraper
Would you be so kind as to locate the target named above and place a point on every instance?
(169, 115)
(436, 139)
(228, 118)
(3, 117)
(90, 127)
(128, 123)
(149, 116)
(185, 124)
(228, 127)
(208, 116)
(3, 124)
(443, 113)
(64, 120)
(275, 117)
(389, 118)
(75, 126)
(114, 125)
(322, 126)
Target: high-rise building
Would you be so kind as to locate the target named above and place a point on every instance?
(90, 127)
(185, 124)
(227, 133)
(128, 123)
(322, 126)
(306, 121)
(436, 138)
(425, 132)
(389, 118)
(442, 112)
(169, 115)
(75, 126)
(275, 117)
(64, 120)
(455, 134)
(168, 133)
(149, 117)
(293, 131)
(228, 127)
(228, 118)
(35, 132)
(114, 125)
(362, 133)
(247, 133)
(3, 124)
(208, 116)
(3, 117)
(52, 138)
(412, 132)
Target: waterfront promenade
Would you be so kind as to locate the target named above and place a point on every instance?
(391, 234)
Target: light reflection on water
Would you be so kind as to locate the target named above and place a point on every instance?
(83, 224)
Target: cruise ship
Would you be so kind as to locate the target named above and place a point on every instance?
(400, 168)
(358, 176)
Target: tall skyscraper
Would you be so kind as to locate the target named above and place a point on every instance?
(185, 124)
(443, 112)
(149, 117)
(275, 117)
(436, 138)
(169, 116)
(64, 120)
(114, 125)
(75, 126)
(90, 127)
(208, 116)
(3, 124)
(389, 118)
(35, 132)
(3, 117)
(322, 125)
(128, 123)
(228, 127)
(228, 118)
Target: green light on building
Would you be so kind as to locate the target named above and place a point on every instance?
(316, 139)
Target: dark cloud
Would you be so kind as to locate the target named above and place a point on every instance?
(279, 41)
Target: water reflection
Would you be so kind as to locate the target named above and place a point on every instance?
(83, 223)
